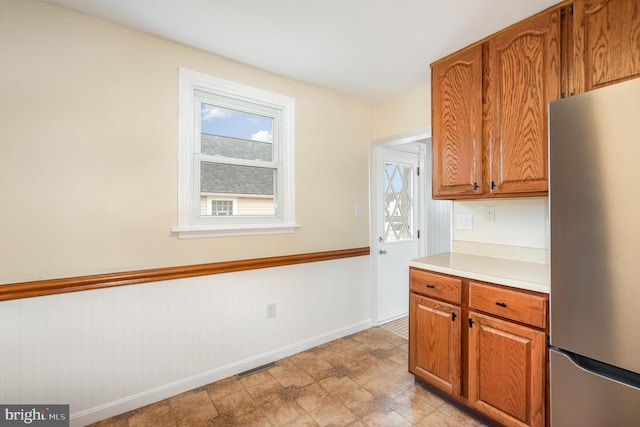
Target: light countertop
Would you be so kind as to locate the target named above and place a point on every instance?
(519, 274)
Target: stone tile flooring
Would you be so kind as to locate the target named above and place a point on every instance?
(359, 380)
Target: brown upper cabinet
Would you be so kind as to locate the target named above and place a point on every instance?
(489, 111)
(606, 43)
(456, 101)
(522, 77)
(489, 100)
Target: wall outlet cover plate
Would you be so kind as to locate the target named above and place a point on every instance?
(464, 221)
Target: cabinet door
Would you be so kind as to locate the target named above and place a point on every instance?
(456, 100)
(434, 343)
(606, 42)
(506, 371)
(523, 77)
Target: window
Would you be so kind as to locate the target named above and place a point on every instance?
(221, 207)
(236, 156)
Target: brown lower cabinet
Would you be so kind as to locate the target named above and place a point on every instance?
(484, 345)
(435, 337)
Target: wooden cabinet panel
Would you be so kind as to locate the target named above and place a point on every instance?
(506, 371)
(435, 285)
(434, 343)
(490, 101)
(523, 77)
(457, 124)
(516, 305)
(606, 42)
(489, 111)
(494, 365)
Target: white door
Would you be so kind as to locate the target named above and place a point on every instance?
(396, 218)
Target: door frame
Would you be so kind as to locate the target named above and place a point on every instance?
(415, 140)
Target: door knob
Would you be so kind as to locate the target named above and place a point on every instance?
(382, 251)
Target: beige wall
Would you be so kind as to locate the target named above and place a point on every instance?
(407, 113)
(88, 154)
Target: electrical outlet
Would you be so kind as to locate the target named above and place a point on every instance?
(491, 213)
(271, 310)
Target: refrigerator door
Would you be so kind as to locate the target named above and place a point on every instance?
(582, 398)
(594, 168)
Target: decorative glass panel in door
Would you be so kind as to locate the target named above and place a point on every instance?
(398, 202)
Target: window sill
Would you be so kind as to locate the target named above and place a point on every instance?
(244, 230)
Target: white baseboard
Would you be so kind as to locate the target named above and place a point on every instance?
(392, 319)
(147, 397)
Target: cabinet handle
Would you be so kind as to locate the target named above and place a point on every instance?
(431, 286)
(475, 186)
(501, 304)
(453, 317)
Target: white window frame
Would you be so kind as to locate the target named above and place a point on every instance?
(190, 223)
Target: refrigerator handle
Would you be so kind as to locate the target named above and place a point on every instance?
(603, 369)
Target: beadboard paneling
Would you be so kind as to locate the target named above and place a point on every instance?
(437, 214)
(110, 350)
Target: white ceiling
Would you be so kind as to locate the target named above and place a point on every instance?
(371, 49)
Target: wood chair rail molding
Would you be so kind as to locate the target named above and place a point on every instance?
(84, 283)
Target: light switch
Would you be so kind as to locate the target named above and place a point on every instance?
(464, 221)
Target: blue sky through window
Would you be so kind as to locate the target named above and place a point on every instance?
(236, 124)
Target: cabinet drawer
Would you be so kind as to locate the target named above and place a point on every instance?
(435, 285)
(511, 304)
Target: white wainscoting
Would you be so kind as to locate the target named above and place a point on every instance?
(111, 350)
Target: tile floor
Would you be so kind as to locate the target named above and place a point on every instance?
(359, 380)
(399, 327)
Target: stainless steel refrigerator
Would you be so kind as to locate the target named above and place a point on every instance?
(594, 191)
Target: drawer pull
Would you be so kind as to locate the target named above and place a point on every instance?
(501, 304)
(431, 286)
